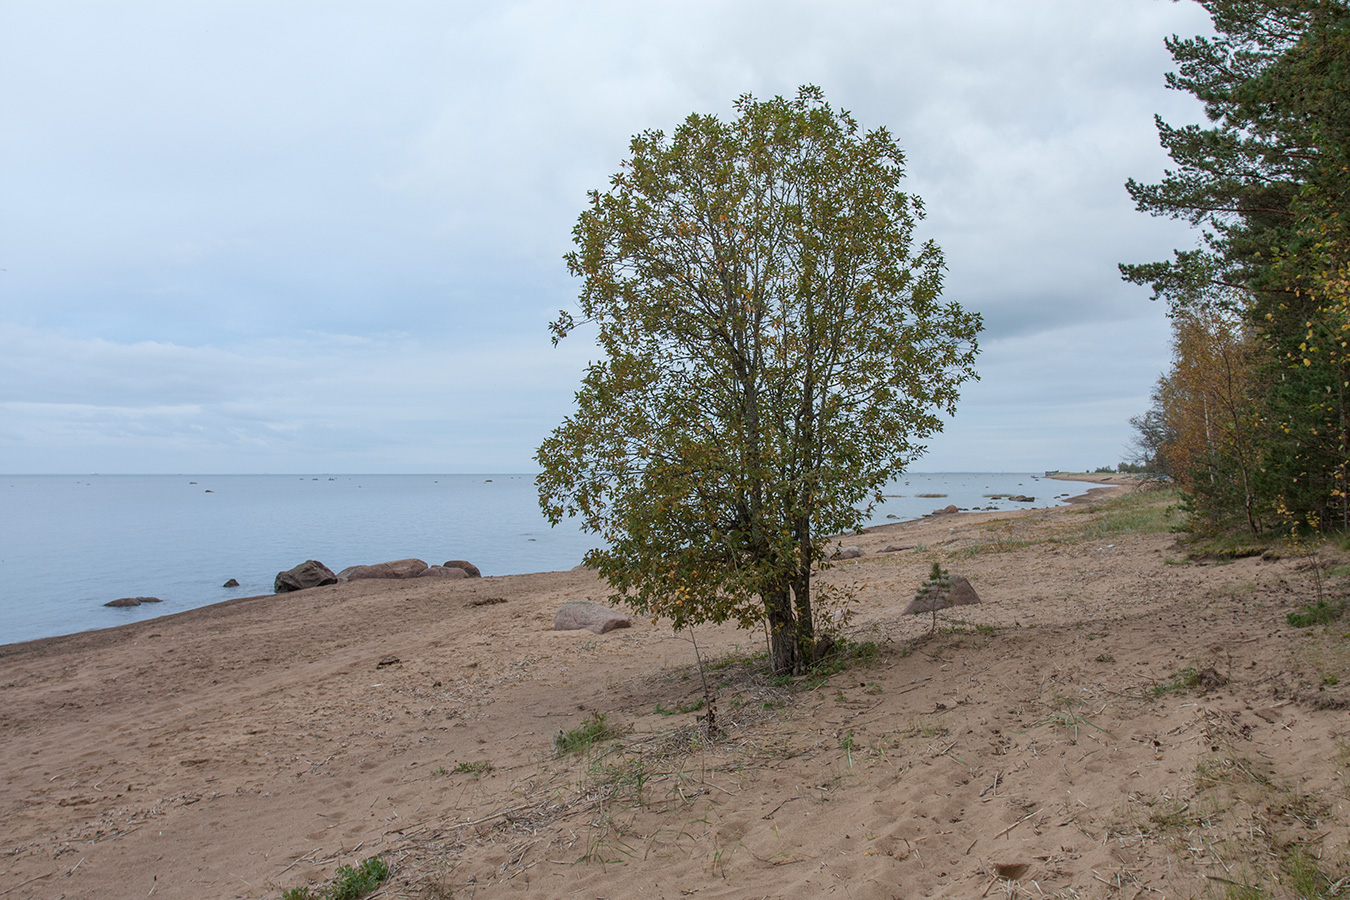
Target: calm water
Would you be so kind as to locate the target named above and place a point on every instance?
(69, 544)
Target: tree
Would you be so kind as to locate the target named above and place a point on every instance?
(1205, 405)
(1267, 182)
(1153, 436)
(774, 352)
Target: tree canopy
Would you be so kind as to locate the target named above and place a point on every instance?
(774, 351)
(1267, 183)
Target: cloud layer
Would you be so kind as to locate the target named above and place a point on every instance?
(253, 237)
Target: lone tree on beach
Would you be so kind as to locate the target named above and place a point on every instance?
(774, 352)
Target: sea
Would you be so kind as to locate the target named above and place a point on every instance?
(69, 544)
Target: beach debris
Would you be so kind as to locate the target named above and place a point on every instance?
(233, 582)
(486, 601)
(941, 591)
(398, 568)
(469, 568)
(310, 573)
(848, 553)
(577, 614)
(388, 661)
(442, 572)
(131, 601)
(896, 548)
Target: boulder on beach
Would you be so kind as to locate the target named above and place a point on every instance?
(948, 591)
(131, 601)
(848, 553)
(469, 568)
(948, 509)
(310, 573)
(592, 616)
(443, 572)
(398, 568)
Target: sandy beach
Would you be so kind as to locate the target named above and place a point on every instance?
(1114, 720)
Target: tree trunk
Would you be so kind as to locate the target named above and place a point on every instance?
(783, 650)
(801, 593)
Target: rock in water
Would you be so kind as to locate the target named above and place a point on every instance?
(233, 582)
(592, 616)
(310, 573)
(131, 601)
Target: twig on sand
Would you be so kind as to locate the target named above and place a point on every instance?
(29, 881)
(1015, 824)
(298, 860)
(780, 806)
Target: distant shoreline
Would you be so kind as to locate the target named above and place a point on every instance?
(212, 610)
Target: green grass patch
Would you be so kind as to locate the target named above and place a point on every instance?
(844, 654)
(1184, 680)
(1322, 612)
(691, 706)
(580, 739)
(1142, 512)
(350, 883)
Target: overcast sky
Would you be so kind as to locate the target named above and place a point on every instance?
(326, 236)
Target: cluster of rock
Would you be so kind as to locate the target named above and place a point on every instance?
(131, 601)
(312, 573)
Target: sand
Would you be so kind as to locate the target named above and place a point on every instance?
(1112, 721)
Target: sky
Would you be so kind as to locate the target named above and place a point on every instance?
(305, 236)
